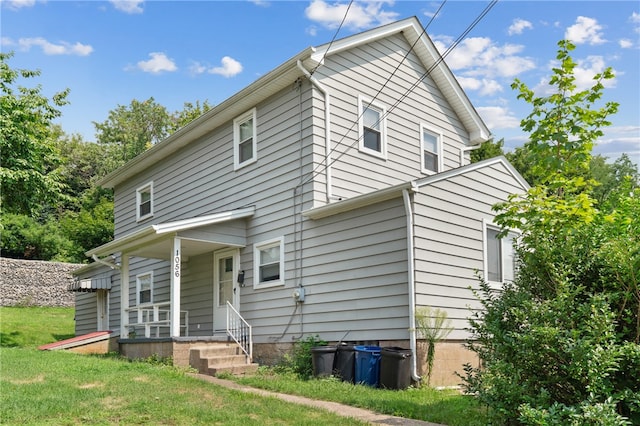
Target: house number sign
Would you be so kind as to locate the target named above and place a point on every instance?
(176, 264)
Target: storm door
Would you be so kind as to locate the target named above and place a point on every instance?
(225, 286)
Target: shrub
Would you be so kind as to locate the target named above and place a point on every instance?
(299, 361)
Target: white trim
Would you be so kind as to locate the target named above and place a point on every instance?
(505, 251)
(439, 144)
(382, 123)
(139, 191)
(257, 248)
(249, 115)
(138, 276)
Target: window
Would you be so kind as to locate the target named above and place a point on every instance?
(244, 139)
(268, 260)
(431, 147)
(372, 128)
(144, 201)
(499, 263)
(144, 288)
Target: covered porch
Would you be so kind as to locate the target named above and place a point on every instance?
(193, 292)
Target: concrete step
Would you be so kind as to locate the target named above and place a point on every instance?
(236, 370)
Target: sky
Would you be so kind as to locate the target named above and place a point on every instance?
(109, 53)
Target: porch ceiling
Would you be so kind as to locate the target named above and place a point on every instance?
(156, 241)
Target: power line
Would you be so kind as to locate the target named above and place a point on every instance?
(404, 96)
(344, 18)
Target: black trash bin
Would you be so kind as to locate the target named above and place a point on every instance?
(322, 358)
(344, 363)
(395, 368)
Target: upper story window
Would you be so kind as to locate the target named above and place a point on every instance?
(268, 261)
(499, 255)
(144, 288)
(431, 148)
(244, 140)
(372, 128)
(144, 201)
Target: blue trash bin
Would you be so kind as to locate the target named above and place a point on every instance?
(367, 365)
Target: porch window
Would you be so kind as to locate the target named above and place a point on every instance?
(372, 128)
(499, 255)
(144, 288)
(244, 139)
(431, 143)
(144, 201)
(268, 260)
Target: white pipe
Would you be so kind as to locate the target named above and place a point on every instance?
(411, 284)
(466, 149)
(104, 262)
(327, 128)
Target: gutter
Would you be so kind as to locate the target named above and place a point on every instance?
(104, 262)
(467, 149)
(327, 128)
(411, 283)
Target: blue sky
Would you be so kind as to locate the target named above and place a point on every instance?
(111, 52)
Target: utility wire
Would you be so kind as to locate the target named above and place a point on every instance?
(344, 18)
(404, 96)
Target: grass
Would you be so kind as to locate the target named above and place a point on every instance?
(439, 406)
(63, 388)
(30, 327)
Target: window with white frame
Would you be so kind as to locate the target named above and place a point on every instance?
(244, 139)
(431, 147)
(499, 255)
(372, 128)
(268, 261)
(144, 201)
(144, 288)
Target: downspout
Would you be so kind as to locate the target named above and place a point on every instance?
(411, 283)
(467, 149)
(104, 262)
(327, 129)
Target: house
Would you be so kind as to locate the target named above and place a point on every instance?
(331, 197)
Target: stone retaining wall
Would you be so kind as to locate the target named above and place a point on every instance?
(35, 283)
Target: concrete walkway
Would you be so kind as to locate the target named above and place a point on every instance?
(334, 407)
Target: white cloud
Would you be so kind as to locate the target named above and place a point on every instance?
(484, 86)
(583, 72)
(625, 43)
(360, 15)
(518, 26)
(18, 4)
(230, 67)
(585, 30)
(49, 48)
(635, 18)
(158, 63)
(480, 57)
(497, 117)
(128, 6)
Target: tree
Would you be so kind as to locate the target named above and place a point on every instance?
(488, 149)
(560, 344)
(28, 174)
(190, 112)
(131, 130)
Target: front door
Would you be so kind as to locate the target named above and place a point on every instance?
(102, 299)
(225, 271)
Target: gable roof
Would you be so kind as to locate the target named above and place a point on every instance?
(283, 75)
(396, 190)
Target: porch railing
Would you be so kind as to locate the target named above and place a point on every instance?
(154, 317)
(240, 331)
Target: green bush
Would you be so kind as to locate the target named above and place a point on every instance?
(299, 361)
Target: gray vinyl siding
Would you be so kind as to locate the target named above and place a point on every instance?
(197, 294)
(355, 275)
(449, 239)
(364, 71)
(86, 313)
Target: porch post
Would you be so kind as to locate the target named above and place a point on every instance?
(176, 259)
(124, 295)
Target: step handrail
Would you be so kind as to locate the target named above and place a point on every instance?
(240, 331)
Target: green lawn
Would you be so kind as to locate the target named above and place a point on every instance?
(59, 387)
